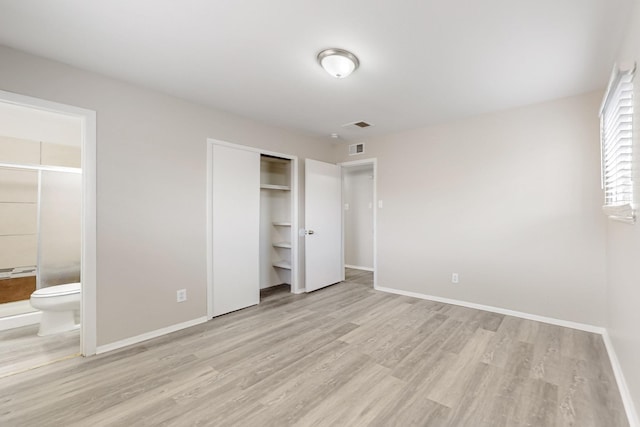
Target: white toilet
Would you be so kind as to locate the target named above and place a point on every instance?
(58, 305)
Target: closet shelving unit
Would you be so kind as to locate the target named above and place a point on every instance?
(275, 221)
(275, 187)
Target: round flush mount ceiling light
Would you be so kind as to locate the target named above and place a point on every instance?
(338, 62)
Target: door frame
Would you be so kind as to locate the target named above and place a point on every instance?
(88, 260)
(346, 165)
(295, 282)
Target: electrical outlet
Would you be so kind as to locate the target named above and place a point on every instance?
(455, 278)
(181, 295)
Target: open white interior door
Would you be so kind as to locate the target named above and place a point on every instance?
(236, 227)
(323, 219)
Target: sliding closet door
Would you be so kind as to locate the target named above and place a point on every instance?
(236, 229)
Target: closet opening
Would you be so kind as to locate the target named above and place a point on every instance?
(252, 210)
(275, 223)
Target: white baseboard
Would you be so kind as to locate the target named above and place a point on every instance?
(359, 267)
(20, 320)
(543, 319)
(149, 335)
(627, 401)
(629, 407)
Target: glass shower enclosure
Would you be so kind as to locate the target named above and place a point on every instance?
(40, 214)
(59, 210)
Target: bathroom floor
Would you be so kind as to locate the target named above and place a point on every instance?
(9, 309)
(22, 349)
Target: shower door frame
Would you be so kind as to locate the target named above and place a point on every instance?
(88, 341)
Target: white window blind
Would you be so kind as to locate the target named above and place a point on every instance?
(616, 136)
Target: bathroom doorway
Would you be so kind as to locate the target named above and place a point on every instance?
(47, 231)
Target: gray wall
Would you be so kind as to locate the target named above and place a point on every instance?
(623, 250)
(151, 188)
(510, 201)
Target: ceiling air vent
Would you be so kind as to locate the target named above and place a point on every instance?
(355, 149)
(357, 125)
(362, 124)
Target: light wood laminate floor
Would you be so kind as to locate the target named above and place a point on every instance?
(22, 349)
(346, 355)
(359, 276)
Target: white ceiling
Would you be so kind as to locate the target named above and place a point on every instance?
(422, 61)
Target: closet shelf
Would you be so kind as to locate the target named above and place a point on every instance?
(281, 224)
(275, 187)
(285, 245)
(282, 264)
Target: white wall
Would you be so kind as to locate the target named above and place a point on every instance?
(623, 251)
(151, 188)
(510, 201)
(18, 122)
(358, 218)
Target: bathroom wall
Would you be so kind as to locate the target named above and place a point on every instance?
(37, 152)
(38, 125)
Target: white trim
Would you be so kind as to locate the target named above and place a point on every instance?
(295, 283)
(88, 259)
(209, 229)
(629, 407)
(88, 314)
(359, 267)
(39, 235)
(537, 318)
(20, 320)
(150, 335)
(373, 161)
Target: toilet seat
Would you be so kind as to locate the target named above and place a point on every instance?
(58, 290)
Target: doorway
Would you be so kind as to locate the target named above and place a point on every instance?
(359, 221)
(25, 123)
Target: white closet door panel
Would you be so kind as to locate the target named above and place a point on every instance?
(236, 229)
(323, 219)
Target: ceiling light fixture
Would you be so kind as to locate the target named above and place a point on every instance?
(338, 62)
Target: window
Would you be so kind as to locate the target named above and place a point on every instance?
(616, 129)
